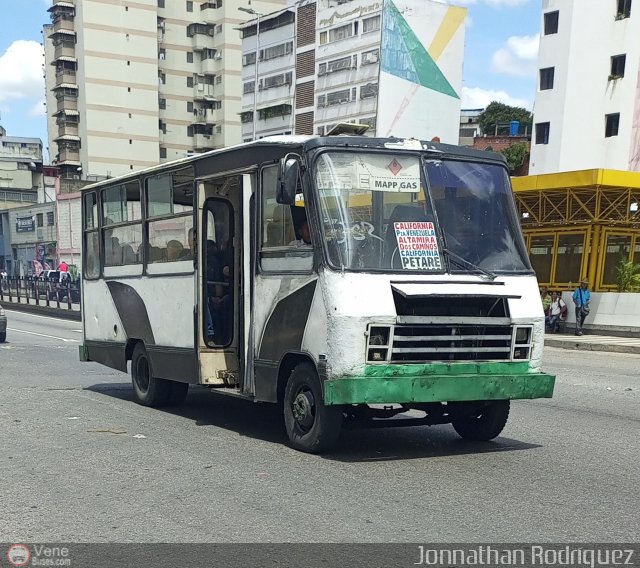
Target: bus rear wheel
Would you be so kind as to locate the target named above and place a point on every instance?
(311, 426)
(147, 390)
(485, 423)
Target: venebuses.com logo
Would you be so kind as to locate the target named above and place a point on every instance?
(19, 555)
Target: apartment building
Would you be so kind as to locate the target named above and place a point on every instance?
(395, 65)
(133, 83)
(587, 107)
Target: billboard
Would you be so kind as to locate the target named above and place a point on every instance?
(422, 54)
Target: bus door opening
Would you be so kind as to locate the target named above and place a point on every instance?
(219, 326)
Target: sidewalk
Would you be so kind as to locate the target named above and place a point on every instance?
(593, 342)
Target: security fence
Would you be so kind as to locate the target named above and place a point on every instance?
(41, 292)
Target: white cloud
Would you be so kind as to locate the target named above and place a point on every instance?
(475, 97)
(517, 57)
(39, 109)
(21, 71)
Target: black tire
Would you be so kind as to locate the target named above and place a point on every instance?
(484, 424)
(147, 390)
(178, 392)
(3, 337)
(311, 426)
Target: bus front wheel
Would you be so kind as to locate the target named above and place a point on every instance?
(311, 426)
(147, 390)
(484, 424)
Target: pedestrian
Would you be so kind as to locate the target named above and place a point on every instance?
(557, 311)
(581, 299)
(545, 297)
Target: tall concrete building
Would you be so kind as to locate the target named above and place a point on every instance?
(394, 65)
(130, 84)
(587, 108)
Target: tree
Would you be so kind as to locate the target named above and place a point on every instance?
(628, 276)
(499, 114)
(515, 155)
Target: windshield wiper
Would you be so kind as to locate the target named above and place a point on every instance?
(464, 263)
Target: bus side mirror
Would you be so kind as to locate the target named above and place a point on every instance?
(288, 181)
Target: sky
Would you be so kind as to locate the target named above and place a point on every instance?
(501, 47)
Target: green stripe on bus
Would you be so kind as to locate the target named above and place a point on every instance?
(437, 388)
(490, 368)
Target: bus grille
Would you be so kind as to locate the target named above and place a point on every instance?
(419, 343)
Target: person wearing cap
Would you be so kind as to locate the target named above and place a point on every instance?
(581, 298)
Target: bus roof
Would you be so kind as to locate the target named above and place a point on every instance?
(312, 142)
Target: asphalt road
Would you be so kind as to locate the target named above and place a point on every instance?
(80, 462)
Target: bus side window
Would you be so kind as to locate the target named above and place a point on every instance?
(280, 249)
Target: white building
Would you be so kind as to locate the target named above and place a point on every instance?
(133, 83)
(587, 108)
(395, 65)
(268, 75)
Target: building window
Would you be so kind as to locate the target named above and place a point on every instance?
(340, 33)
(370, 24)
(218, 79)
(276, 81)
(189, 56)
(49, 218)
(369, 91)
(189, 6)
(162, 78)
(39, 219)
(370, 57)
(189, 106)
(612, 122)
(546, 78)
(323, 38)
(617, 66)
(276, 51)
(542, 132)
(249, 59)
(190, 131)
(160, 3)
(551, 23)
(624, 9)
(249, 87)
(162, 53)
(162, 103)
(163, 153)
(162, 126)
(189, 81)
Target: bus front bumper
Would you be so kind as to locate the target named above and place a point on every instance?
(440, 382)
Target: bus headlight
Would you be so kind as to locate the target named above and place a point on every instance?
(378, 344)
(522, 342)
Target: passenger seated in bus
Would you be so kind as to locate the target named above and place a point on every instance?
(174, 250)
(112, 251)
(280, 230)
(128, 255)
(189, 254)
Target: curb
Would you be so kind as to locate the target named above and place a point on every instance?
(44, 310)
(585, 346)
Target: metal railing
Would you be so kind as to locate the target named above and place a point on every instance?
(41, 292)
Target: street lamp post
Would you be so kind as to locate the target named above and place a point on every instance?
(255, 78)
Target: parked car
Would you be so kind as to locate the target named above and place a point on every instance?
(3, 325)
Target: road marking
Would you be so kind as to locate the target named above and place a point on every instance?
(43, 335)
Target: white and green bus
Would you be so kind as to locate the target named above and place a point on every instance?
(345, 278)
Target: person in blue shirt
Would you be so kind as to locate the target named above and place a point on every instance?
(581, 298)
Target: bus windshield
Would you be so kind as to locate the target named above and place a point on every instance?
(377, 215)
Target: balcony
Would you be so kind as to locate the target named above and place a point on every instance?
(203, 141)
(65, 76)
(207, 116)
(202, 91)
(201, 41)
(67, 103)
(68, 129)
(67, 50)
(69, 155)
(211, 66)
(63, 24)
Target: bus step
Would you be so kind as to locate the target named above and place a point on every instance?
(230, 391)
